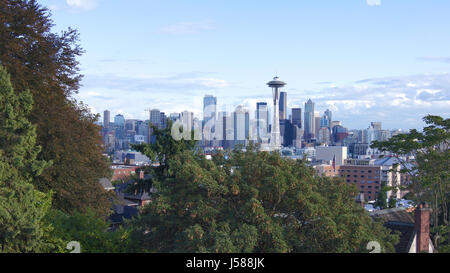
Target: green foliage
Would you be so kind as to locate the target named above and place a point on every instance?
(46, 64)
(90, 231)
(382, 197)
(164, 148)
(22, 207)
(430, 175)
(253, 202)
(392, 203)
(442, 238)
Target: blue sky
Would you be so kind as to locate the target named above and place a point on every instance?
(366, 60)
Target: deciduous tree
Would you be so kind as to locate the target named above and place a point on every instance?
(429, 171)
(46, 64)
(252, 202)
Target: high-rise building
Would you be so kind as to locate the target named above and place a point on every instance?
(163, 122)
(262, 120)
(229, 131)
(209, 118)
(241, 126)
(324, 122)
(369, 135)
(119, 121)
(298, 136)
(376, 126)
(324, 135)
(297, 117)
(339, 134)
(219, 134)
(187, 118)
(106, 119)
(329, 116)
(283, 105)
(155, 118)
(130, 125)
(309, 120)
(334, 123)
(174, 116)
(316, 124)
(287, 132)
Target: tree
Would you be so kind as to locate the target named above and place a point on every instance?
(381, 201)
(429, 172)
(46, 64)
(22, 208)
(162, 150)
(252, 202)
(91, 232)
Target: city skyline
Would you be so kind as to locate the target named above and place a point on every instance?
(363, 60)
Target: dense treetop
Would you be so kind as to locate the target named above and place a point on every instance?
(252, 202)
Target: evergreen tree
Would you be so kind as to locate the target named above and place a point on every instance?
(46, 64)
(22, 207)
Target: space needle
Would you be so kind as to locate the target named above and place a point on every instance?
(275, 138)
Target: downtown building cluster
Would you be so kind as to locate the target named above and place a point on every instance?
(308, 134)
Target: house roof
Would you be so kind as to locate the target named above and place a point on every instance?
(140, 196)
(123, 212)
(106, 184)
(406, 232)
(398, 221)
(393, 215)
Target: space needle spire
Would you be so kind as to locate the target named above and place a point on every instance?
(275, 138)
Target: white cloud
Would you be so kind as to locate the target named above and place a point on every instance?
(82, 4)
(396, 101)
(435, 59)
(183, 28)
(373, 2)
(132, 95)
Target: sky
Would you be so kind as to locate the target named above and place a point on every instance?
(365, 60)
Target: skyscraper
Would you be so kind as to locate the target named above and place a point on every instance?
(163, 122)
(283, 105)
(316, 124)
(229, 131)
(262, 120)
(324, 122)
(187, 119)
(309, 120)
(376, 126)
(155, 118)
(209, 118)
(174, 116)
(119, 121)
(241, 126)
(297, 117)
(106, 119)
(329, 116)
(219, 134)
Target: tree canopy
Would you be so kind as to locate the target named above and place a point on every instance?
(22, 208)
(425, 157)
(46, 64)
(251, 202)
